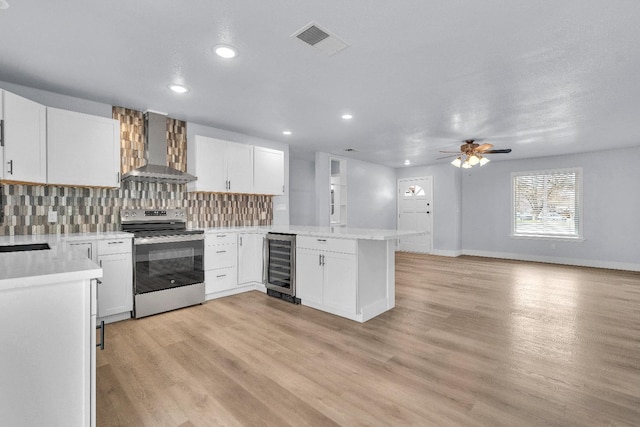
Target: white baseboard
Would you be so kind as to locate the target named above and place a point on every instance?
(556, 260)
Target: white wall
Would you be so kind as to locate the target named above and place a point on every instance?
(280, 203)
(302, 194)
(51, 99)
(371, 189)
(371, 195)
(611, 211)
(446, 205)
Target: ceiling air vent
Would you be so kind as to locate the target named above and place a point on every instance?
(320, 39)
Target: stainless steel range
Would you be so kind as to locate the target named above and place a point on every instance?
(167, 258)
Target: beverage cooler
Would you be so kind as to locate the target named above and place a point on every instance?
(280, 266)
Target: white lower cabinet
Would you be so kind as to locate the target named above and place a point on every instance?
(309, 275)
(220, 264)
(115, 295)
(115, 292)
(340, 280)
(47, 354)
(250, 254)
(352, 278)
(327, 274)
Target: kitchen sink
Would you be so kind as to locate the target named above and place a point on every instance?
(26, 247)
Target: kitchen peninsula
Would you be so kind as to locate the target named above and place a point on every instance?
(47, 325)
(349, 272)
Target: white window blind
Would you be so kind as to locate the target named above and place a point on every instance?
(547, 203)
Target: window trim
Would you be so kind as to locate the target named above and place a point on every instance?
(579, 206)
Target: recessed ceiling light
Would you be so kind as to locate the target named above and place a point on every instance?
(407, 162)
(179, 88)
(286, 132)
(347, 116)
(225, 51)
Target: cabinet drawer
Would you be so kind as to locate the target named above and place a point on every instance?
(119, 246)
(220, 256)
(347, 246)
(81, 250)
(220, 280)
(220, 239)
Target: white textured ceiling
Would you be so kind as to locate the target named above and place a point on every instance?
(540, 77)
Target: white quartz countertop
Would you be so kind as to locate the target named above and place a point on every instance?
(32, 268)
(334, 232)
(56, 239)
(55, 265)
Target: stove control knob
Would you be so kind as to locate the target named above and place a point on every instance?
(133, 214)
(126, 215)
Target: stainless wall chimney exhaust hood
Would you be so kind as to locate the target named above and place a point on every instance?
(156, 169)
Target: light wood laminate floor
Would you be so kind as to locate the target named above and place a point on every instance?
(471, 342)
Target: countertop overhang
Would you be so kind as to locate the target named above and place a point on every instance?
(55, 265)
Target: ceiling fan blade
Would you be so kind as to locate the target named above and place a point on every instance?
(506, 150)
(484, 147)
(448, 157)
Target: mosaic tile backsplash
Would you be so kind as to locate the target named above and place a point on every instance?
(24, 208)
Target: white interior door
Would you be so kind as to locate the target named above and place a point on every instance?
(415, 212)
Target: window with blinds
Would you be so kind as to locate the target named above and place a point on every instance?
(547, 203)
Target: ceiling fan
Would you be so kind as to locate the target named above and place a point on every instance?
(472, 152)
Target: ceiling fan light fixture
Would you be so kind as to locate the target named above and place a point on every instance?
(484, 161)
(466, 165)
(457, 162)
(473, 160)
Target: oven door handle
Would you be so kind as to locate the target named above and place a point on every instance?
(167, 239)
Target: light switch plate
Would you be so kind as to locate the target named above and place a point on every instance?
(53, 216)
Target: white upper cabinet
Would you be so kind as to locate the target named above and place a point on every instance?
(240, 167)
(221, 166)
(268, 171)
(82, 149)
(24, 140)
(206, 159)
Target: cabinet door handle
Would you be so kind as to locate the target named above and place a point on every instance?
(221, 275)
(322, 240)
(115, 243)
(89, 252)
(101, 343)
(221, 252)
(240, 240)
(221, 235)
(1, 133)
(320, 260)
(10, 163)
